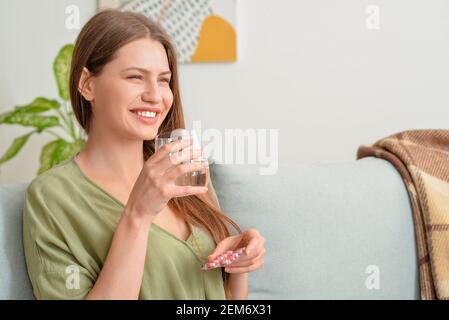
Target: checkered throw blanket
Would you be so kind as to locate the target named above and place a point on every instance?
(422, 159)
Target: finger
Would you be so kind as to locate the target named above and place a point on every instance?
(248, 260)
(253, 243)
(180, 157)
(185, 154)
(250, 268)
(254, 253)
(221, 248)
(245, 262)
(171, 147)
(180, 169)
(188, 191)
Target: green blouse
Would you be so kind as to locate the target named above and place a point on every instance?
(68, 226)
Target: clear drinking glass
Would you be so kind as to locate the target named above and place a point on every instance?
(194, 178)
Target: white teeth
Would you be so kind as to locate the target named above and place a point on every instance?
(146, 114)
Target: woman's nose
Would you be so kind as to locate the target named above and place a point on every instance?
(152, 94)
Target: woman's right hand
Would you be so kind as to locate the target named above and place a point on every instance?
(155, 185)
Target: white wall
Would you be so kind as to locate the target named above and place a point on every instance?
(308, 68)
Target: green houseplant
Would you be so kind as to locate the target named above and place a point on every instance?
(48, 116)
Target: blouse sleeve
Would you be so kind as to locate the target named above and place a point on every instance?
(52, 268)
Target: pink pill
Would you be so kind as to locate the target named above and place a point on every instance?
(224, 259)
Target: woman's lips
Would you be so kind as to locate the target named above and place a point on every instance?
(145, 120)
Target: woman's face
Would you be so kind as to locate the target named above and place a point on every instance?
(130, 88)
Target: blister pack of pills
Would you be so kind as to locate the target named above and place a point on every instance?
(224, 259)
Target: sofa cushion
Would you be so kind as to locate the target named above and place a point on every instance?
(332, 230)
(14, 281)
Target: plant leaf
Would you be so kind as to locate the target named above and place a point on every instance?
(3, 116)
(65, 150)
(61, 69)
(57, 151)
(31, 120)
(15, 147)
(40, 104)
(46, 157)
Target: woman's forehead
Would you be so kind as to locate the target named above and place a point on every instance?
(146, 53)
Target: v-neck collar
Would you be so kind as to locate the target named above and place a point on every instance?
(153, 225)
(173, 236)
(95, 185)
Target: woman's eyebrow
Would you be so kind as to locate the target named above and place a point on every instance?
(168, 72)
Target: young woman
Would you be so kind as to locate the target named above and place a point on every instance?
(110, 223)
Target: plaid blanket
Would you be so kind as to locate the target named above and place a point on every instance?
(422, 159)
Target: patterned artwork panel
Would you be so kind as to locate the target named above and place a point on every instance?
(202, 30)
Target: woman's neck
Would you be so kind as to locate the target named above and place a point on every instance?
(112, 157)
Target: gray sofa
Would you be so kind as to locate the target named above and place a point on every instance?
(333, 231)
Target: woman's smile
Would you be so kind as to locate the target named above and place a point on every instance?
(146, 116)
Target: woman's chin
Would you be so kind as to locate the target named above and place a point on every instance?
(148, 134)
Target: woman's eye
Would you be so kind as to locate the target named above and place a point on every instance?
(135, 77)
(165, 80)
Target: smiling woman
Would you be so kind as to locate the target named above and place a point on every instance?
(112, 213)
(145, 88)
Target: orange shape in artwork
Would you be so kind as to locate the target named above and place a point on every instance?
(217, 41)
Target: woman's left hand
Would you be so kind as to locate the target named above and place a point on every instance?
(252, 258)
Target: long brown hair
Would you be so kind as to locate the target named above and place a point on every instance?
(98, 41)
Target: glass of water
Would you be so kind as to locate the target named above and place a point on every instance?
(194, 178)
